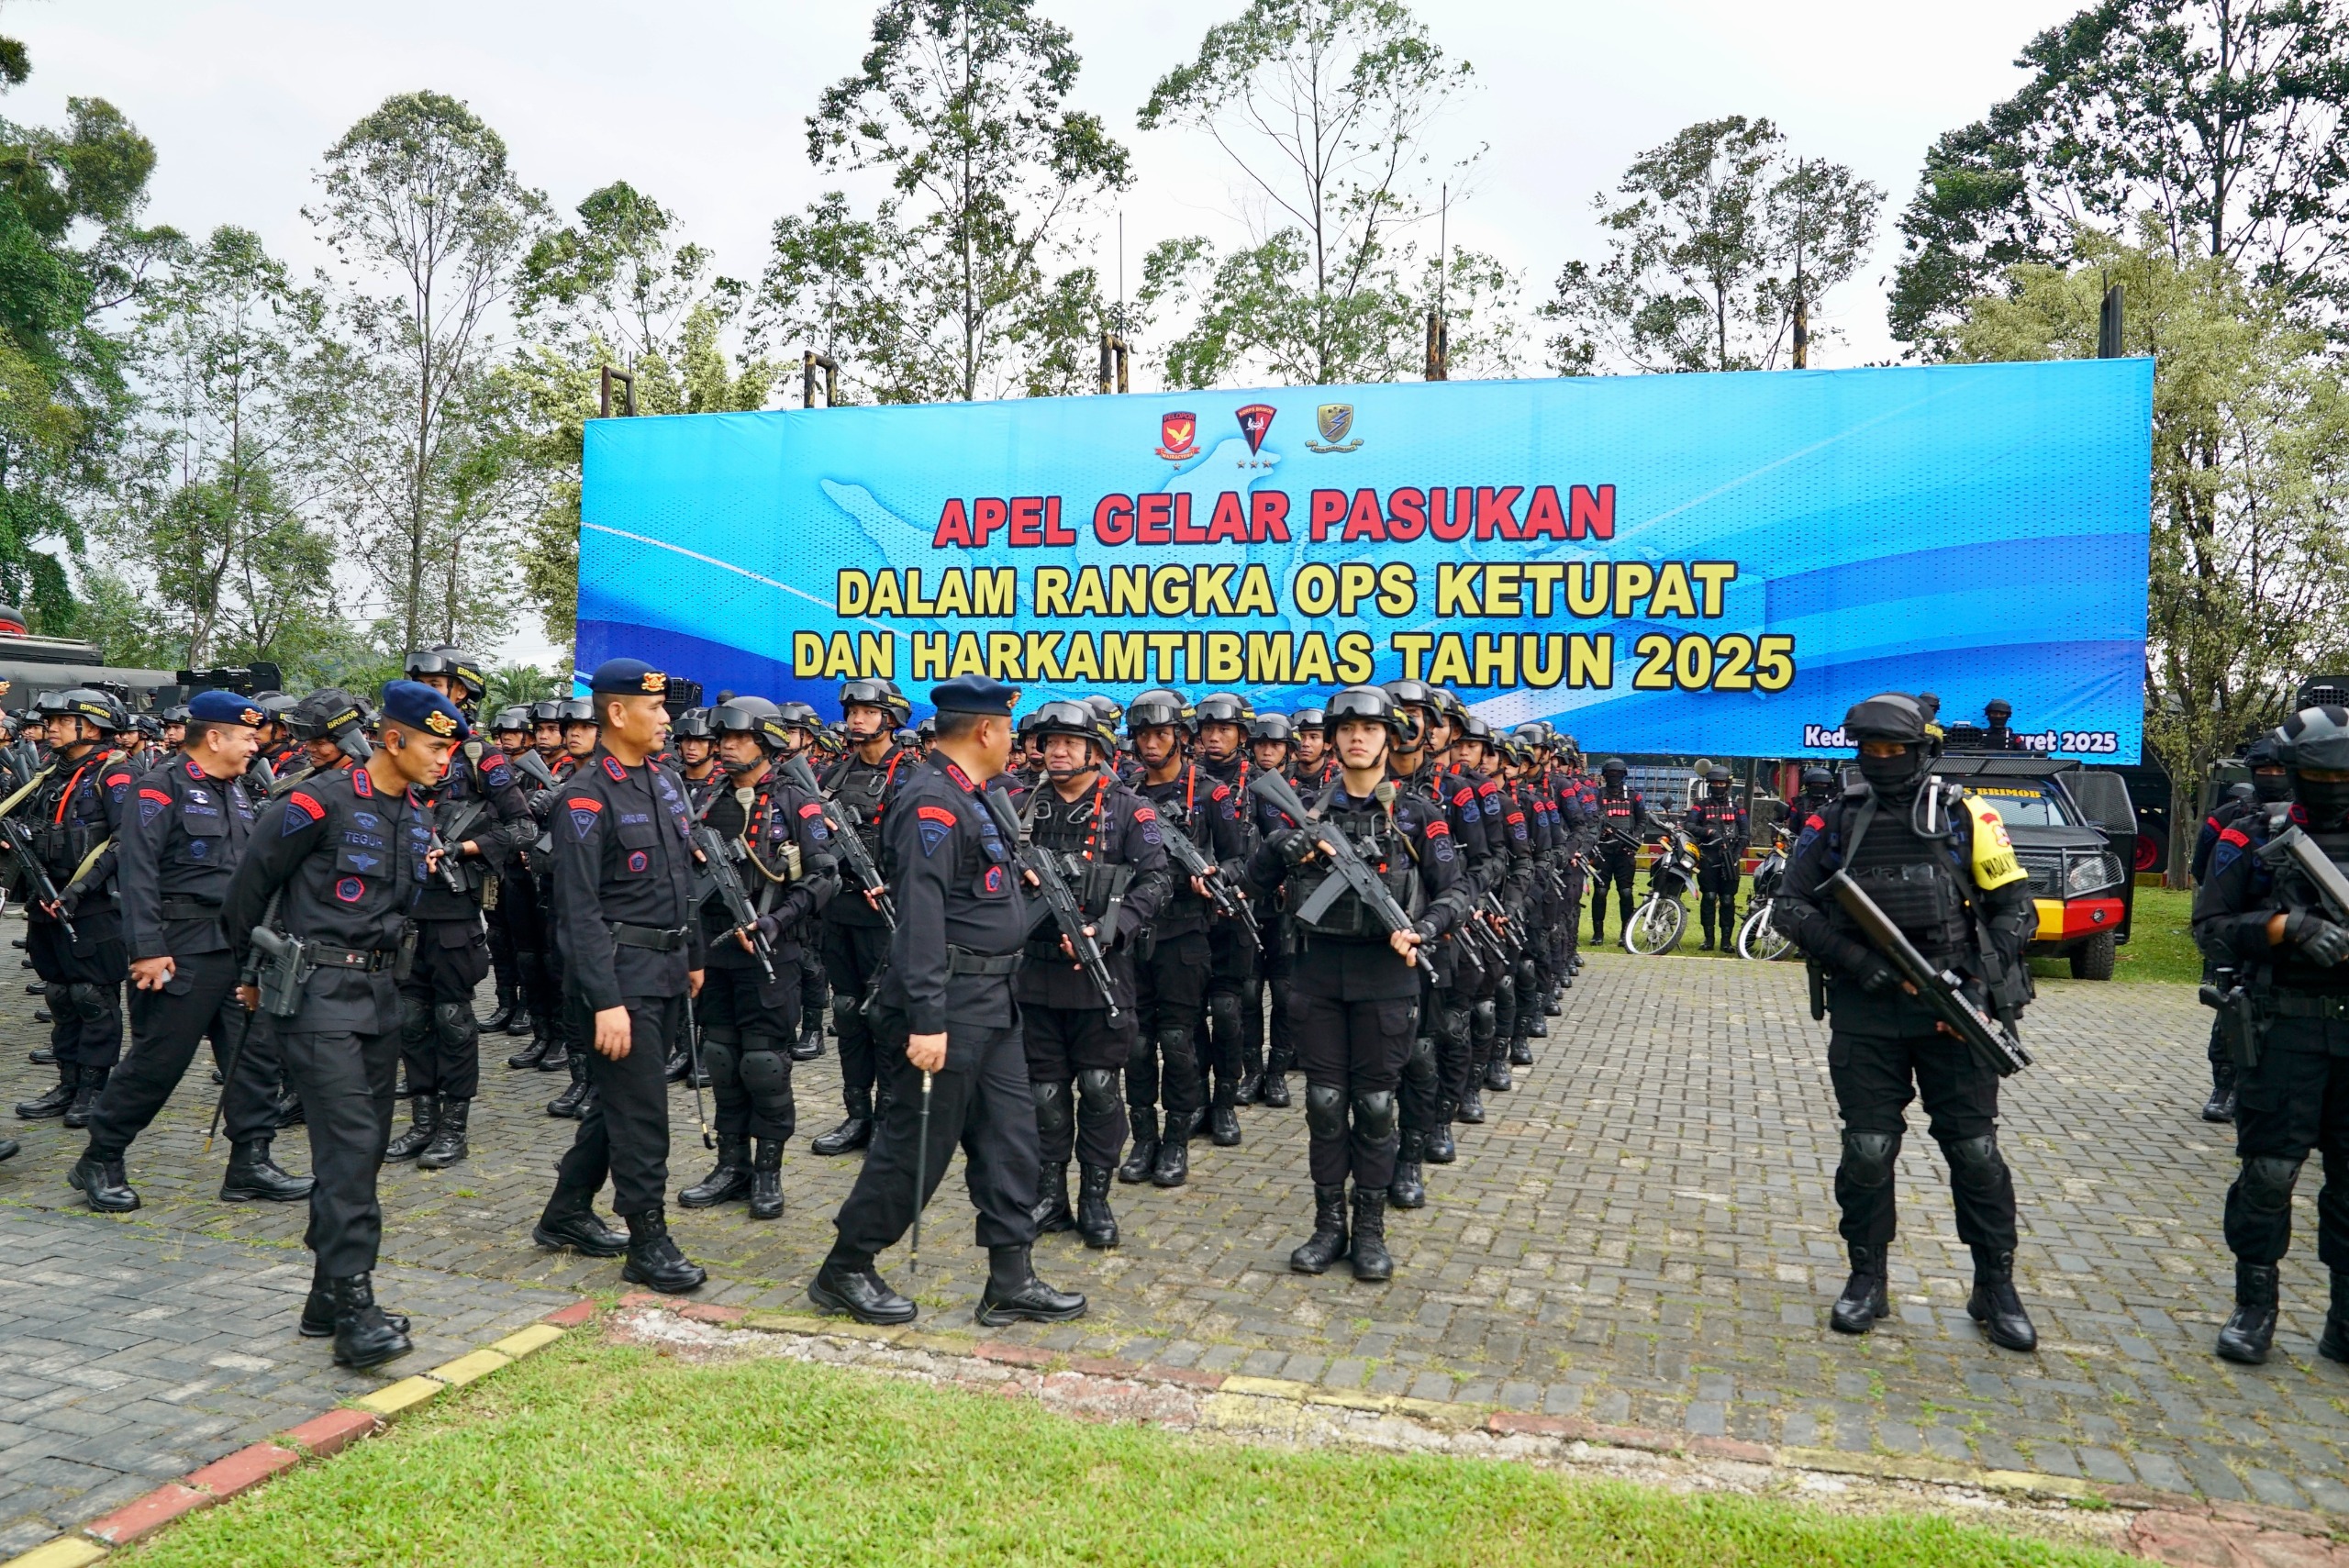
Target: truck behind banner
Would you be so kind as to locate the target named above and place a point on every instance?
(1672, 564)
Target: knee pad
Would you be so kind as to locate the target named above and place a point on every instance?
(1374, 1115)
(766, 1072)
(1096, 1094)
(91, 1004)
(1142, 1055)
(1483, 1018)
(845, 1011)
(1223, 1015)
(1325, 1111)
(1868, 1157)
(2267, 1182)
(1975, 1160)
(723, 1064)
(415, 1019)
(60, 999)
(455, 1024)
(1419, 1066)
(1174, 1044)
(1052, 1107)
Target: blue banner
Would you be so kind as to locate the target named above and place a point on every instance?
(1688, 563)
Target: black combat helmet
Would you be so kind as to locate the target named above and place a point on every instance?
(2314, 741)
(1365, 702)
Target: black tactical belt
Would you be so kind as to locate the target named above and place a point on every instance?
(2308, 1005)
(963, 961)
(367, 960)
(655, 939)
(189, 909)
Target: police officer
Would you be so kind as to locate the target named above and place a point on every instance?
(863, 786)
(1717, 824)
(2271, 785)
(749, 1012)
(800, 729)
(1937, 863)
(1818, 789)
(1622, 828)
(624, 903)
(2262, 914)
(180, 843)
(334, 865)
(73, 807)
(1356, 986)
(946, 1031)
(480, 813)
(696, 747)
(1110, 844)
(1221, 721)
(1311, 767)
(509, 914)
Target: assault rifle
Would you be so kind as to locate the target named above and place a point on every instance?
(2294, 849)
(1068, 911)
(1991, 1040)
(720, 858)
(1350, 871)
(854, 854)
(20, 839)
(452, 866)
(1185, 851)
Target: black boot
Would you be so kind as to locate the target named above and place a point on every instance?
(1408, 1190)
(533, 1053)
(1327, 1242)
(1144, 1153)
(1372, 1263)
(1536, 1027)
(522, 1023)
(102, 1183)
(86, 1096)
(1095, 1223)
(558, 1056)
(1441, 1148)
(852, 1135)
(318, 1311)
(1554, 1007)
(448, 1145)
(727, 1180)
(1521, 1049)
(1013, 1293)
(501, 1015)
(43, 1055)
(252, 1175)
(424, 1119)
(1174, 1164)
(1865, 1297)
(858, 1293)
(288, 1109)
(9, 1147)
(1274, 1090)
(2333, 1343)
(1497, 1073)
(2221, 1105)
(1471, 1106)
(2247, 1334)
(1223, 1127)
(653, 1259)
(1052, 1212)
(1995, 1305)
(573, 1101)
(810, 1043)
(680, 1063)
(766, 1179)
(363, 1336)
(55, 1100)
(569, 1220)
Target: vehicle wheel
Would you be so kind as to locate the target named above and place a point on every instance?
(1760, 940)
(2094, 959)
(1655, 928)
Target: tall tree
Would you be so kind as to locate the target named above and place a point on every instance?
(1718, 237)
(2219, 118)
(2251, 477)
(963, 105)
(1325, 108)
(428, 220)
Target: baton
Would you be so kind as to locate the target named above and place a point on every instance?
(228, 1073)
(693, 1067)
(922, 1176)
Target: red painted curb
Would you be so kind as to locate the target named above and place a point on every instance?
(1210, 1381)
(571, 1316)
(1012, 1355)
(1096, 1366)
(321, 1436)
(1733, 1448)
(243, 1470)
(1574, 1429)
(134, 1521)
(711, 1312)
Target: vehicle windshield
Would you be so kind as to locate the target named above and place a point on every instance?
(2026, 806)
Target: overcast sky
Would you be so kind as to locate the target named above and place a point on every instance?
(701, 102)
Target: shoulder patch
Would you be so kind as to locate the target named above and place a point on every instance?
(192, 771)
(812, 809)
(2236, 836)
(935, 814)
(584, 809)
(1221, 792)
(1144, 814)
(1438, 827)
(932, 823)
(613, 770)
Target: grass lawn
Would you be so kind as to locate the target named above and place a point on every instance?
(590, 1454)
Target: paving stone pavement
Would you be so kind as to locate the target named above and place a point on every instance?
(1642, 1233)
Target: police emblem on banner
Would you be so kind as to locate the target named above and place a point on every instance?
(1178, 436)
(1256, 423)
(1333, 420)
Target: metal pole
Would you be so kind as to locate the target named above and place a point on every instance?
(628, 392)
(2108, 324)
(809, 362)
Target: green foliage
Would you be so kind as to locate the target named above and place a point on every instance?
(2218, 119)
(1718, 238)
(2251, 475)
(517, 686)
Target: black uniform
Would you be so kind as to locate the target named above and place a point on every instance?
(1622, 821)
(1719, 827)
(73, 811)
(181, 842)
(1233, 1054)
(349, 859)
(624, 901)
(1170, 979)
(962, 924)
(855, 936)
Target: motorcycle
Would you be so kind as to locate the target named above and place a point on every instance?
(1656, 927)
(1758, 936)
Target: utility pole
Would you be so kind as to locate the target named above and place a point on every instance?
(1114, 348)
(1802, 305)
(1440, 330)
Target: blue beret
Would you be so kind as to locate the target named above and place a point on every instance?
(226, 707)
(627, 678)
(412, 704)
(973, 693)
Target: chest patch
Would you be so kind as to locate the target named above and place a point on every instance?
(994, 879)
(351, 890)
(637, 861)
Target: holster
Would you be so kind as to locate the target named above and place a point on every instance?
(2242, 1023)
(1818, 974)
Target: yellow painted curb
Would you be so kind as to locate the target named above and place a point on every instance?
(2032, 1481)
(464, 1369)
(401, 1397)
(537, 1337)
(1347, 1399)
(65, 1551)
(1267, 1387)
(944, 1344)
